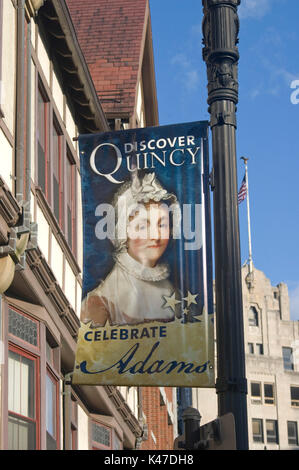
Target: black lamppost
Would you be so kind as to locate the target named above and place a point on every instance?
(220, 52)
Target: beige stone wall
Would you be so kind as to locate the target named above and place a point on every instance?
(274, 331)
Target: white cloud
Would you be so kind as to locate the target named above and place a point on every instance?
(254, 8)
(186, 72)
(294, 303)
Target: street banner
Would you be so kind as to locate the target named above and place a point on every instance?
(147, 302)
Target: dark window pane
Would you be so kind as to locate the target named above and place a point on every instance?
(295, 393)
(287, 358)
(272, 431)
(69, 227)
(295, 396)
(56, 198)
(292, 433)
(56, 174)
(269, 393)
(257, 430)
(255, 389)
(41, 166)
(253, 317)
(51, 406)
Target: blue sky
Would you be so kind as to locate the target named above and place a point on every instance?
(268, 120)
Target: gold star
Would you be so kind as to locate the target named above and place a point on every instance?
(190, 299)
(185, 311)
(171, 301)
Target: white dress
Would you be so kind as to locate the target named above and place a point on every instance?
(133, 293)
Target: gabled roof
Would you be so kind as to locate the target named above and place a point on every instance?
(112, 35)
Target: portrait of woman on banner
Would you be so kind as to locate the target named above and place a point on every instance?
(135, 290)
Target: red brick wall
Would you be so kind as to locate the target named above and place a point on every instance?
(157, 419)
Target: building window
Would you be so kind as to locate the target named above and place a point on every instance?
(56, 168)
(292, 433)
(253, 317)
(260, 349)
(74, 423)
(287, 355)
(100, 436)
(52, 394)
(272, 431)
(269, 394)
(23, 422)
(22, 327)
(257, 430)
(256, 393)
(70, 226)
(57, 177)
(250, 348)
(294, 396)
(52, 419)
(33, 384)
(43, 142)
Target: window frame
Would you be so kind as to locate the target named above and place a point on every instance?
(292, 399)
(20, 341)
(74, 422)
(97, 445)
(285, 361)
(37, 420)
(256, 399)
(43, 365)
(269, 398)
(55, 381)
(275, 438)
(260, 349)
(70, 164)
(255, 437)
(55, 127)
(46, 121)
(253, 321)
(66, 153)
(296, 433)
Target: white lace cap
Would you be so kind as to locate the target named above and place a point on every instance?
(131, 196)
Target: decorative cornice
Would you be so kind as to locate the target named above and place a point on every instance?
(118, 400)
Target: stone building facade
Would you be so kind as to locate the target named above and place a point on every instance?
(272, 366)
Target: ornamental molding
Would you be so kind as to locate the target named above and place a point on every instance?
(220, 29)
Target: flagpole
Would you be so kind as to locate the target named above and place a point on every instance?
(248, 221)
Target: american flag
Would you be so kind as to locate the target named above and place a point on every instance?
(242, 191)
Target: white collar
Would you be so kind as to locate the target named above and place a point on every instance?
(138, 270)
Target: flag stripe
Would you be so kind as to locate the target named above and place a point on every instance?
(242, 191)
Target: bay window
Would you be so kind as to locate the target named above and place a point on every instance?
(33, 416)
(23, 416)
